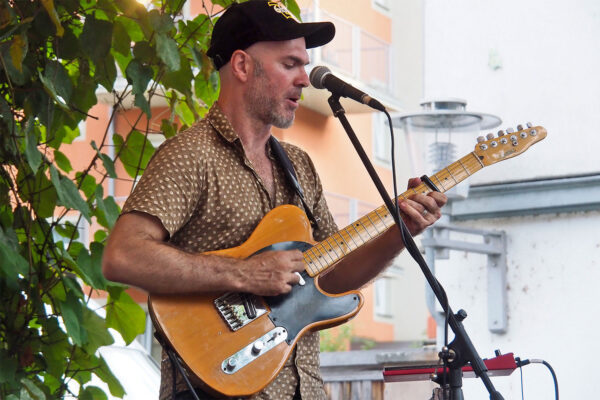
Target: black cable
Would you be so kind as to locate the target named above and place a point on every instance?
(413, 250)
(521, 363)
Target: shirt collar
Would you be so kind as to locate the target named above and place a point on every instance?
(218, 120)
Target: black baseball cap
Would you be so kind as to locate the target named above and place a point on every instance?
(244, 24)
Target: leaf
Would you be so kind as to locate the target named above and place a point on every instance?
(33, 155)
(125, 315)
(90, 266)
(131, 27)
(166, 49)
(49, 6)
(18, 51)
(68, 194)
(106, 72)
(108, 207)
(88, 186)
(72, 313)
(184, 113)
(162, 23)
(110, 379)
(58, 76)
(31, 391)
(168, 128)
(180, 80)
(97, 334)
(121, 41)
(96, 38)
(137, 151)
(293, 7)
(62, 161)
(12, 264)
(138, 75)
(92, 393)
(108, 163)
(9, 366)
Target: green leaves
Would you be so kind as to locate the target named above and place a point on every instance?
(68, 194)
(59, 59)
(125, 315)
(135, 153)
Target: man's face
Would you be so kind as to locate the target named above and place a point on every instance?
(276, 83)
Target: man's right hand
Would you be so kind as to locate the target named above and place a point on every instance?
(270, 273)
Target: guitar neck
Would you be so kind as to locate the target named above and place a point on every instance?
(325, 254)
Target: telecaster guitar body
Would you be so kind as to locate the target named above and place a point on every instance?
(235, 344)
(231, 353)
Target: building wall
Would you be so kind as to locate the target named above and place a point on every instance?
(528, 61)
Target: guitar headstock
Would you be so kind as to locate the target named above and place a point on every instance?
(507, 144)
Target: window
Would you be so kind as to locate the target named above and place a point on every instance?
(382, 142)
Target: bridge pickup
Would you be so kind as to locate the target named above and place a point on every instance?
(239, 309)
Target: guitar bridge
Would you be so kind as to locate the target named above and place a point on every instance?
(239, 309)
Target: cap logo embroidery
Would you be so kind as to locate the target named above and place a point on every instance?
(282, 9)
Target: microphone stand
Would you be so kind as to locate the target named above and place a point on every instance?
(461, 350)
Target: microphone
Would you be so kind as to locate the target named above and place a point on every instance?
(322, 78)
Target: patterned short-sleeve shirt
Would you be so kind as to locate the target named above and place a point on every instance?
(208, 196)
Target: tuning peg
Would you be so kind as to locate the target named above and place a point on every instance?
(490, 136)
(510, 130)
(480, 139)
(519, 127)
(529, 125)
(500, 133)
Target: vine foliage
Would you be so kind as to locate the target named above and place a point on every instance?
(59, 59)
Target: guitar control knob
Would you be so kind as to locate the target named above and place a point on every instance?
(257, 347)
(480, 139)
(231, 363)
(490, 136)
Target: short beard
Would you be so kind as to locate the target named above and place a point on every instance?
(260, 104)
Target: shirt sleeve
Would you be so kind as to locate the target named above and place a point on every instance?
(170, 187)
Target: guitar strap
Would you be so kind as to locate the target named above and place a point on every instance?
(290, 174)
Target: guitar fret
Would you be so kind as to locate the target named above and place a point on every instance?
(351, 238)
(324, 253)
(310, 264)
(462, 165)
(318, 258)
(354, 224)
(439, 182)
(332, 248)
(455, 182)
(341, 242)
(372, 224)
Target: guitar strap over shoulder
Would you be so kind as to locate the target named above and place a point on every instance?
(290, 174)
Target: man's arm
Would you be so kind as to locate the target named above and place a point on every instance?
(137, 254)
(365, 263)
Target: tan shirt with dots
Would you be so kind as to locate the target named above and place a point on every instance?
(208, 197)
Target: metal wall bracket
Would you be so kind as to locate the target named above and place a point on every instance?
(437, 244)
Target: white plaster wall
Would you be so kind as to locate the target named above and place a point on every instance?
(553, 280)
(548, 53)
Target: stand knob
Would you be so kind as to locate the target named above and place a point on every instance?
(461, 315)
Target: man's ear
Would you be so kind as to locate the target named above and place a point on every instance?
(240, 65)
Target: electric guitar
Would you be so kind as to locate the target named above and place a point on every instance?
(234, 344)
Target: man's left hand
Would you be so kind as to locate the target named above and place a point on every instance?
(420, 211)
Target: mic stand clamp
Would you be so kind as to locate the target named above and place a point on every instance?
(461, 348)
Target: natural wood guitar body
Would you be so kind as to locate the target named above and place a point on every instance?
(202, 338)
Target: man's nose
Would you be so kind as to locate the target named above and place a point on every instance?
(303, 79)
